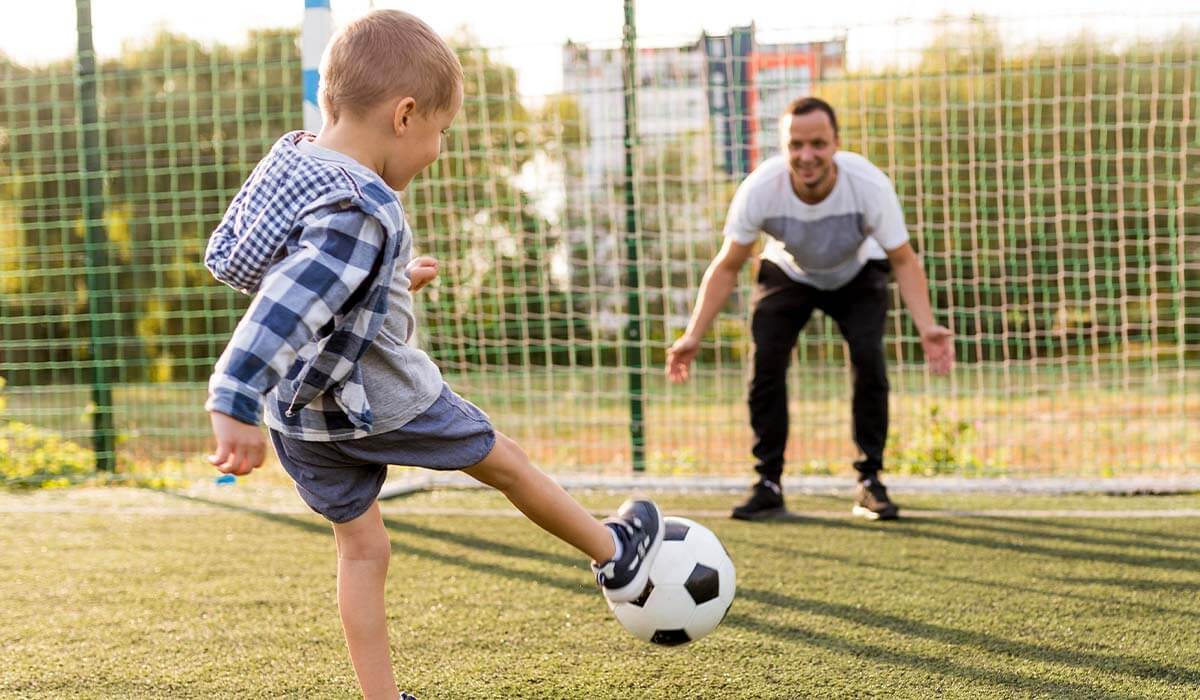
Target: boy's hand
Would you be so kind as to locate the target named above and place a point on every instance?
(240, 447)
(421, 272)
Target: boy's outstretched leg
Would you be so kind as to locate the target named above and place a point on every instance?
(363, 552)
(622, 548)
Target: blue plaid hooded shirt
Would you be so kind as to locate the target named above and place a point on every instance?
(315, 243)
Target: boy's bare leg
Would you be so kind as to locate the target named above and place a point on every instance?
(542, 500)
(363, 552)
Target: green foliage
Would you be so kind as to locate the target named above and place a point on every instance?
(1005, 160)
(35, 458)
(495, 286)
(941, 445)
(181, 126)
(1052, 191)
(1050, 200)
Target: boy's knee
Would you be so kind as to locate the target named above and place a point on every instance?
(504, 466)
(375, 546)
(363, 539)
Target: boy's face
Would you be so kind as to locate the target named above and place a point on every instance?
(418, 140)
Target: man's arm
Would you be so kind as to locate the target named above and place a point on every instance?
(936, 341)
(719, 280)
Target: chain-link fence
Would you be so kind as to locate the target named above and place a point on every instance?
(1052, 188)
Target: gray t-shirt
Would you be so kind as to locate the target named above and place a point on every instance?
(400, 380)
(824, 244)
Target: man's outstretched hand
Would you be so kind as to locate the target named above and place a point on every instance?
(679, 358)
(938, 344)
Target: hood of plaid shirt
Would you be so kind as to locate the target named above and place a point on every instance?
(284, 187)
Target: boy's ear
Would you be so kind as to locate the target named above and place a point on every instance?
(401, 118)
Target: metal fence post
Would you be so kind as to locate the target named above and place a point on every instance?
(634, 338)
(91, 177)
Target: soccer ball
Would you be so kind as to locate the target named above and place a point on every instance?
(690, 588)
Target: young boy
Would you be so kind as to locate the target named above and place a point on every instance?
(318, 236)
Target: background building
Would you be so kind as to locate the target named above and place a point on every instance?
(728, 87)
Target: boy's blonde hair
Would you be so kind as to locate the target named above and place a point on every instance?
(387, 54)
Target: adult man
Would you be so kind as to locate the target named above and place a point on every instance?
(836, 231)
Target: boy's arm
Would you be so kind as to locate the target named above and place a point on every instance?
(334, 255)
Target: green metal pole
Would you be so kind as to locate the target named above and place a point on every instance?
(633, 286)
(98, 272)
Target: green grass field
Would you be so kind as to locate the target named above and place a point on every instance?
(229, 592)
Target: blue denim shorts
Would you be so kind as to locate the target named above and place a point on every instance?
(341, 479)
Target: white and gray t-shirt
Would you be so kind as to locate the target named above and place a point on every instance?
(825, 244)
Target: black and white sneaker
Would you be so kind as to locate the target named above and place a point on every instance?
(871, 501)
(765, 502)
(407, 696)
(638, 525)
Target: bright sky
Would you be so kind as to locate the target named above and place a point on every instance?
(534, 30)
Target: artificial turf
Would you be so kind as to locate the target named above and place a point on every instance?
(230, 594)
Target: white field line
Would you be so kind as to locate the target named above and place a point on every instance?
(196, 509)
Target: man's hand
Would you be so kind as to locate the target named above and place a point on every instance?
(679, 358)
(240, 447)
(421, 272)
(938, 344)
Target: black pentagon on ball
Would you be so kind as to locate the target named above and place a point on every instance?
(675, 531)
(640, 601)
(703, 584)
(671, 638)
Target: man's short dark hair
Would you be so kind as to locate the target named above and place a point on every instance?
(804, 105)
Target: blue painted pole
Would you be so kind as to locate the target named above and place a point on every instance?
(314, 35)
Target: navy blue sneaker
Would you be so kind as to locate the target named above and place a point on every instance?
(639, 527)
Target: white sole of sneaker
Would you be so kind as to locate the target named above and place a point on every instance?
(865, 513)
(868, 514)
(634, 588)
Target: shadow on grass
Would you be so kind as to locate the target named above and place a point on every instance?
(939, 529)
(1034, 528)
(583, 584)
(856, 615)
(279, 518)
(993, 585)
(1093, 525)
(1134, 584)
(871, 619)
(943, 666)
(480, 543)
